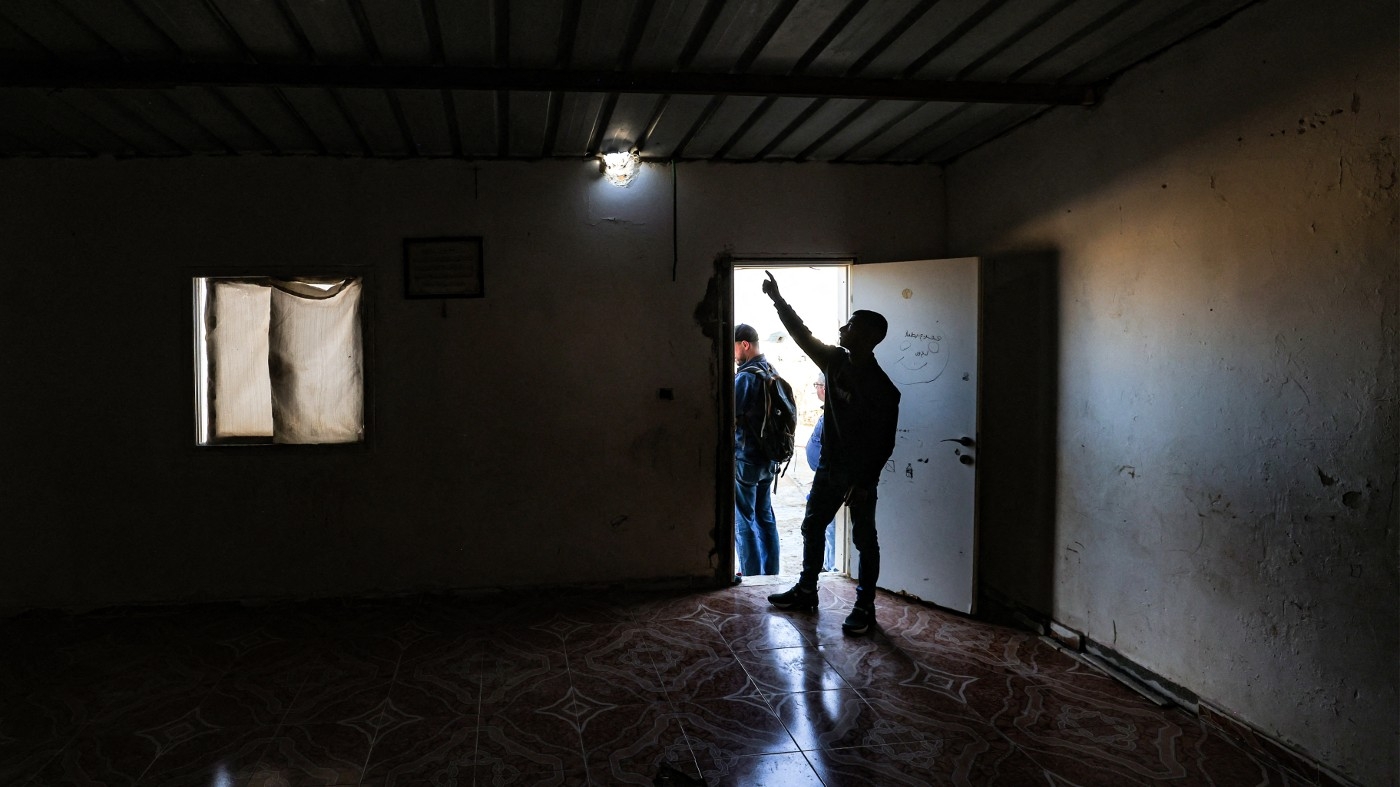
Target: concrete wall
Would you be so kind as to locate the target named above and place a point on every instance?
(1225, 227)
(515, 440)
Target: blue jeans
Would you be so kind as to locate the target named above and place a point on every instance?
(830, 490)
(829, 556)
(755, 528)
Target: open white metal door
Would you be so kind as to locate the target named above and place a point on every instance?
(926, 514)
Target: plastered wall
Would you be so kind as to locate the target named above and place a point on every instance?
(1225, 227)
(515, 440)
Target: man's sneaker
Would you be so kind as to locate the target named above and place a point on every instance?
(796, 598)
(859, 621)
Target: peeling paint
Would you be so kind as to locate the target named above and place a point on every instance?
(708, 310)
(1383, 160)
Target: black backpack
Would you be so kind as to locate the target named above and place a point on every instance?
(773, 427)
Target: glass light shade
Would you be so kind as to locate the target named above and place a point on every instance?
(621, 166)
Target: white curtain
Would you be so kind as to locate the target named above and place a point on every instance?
(239, 386)
(286, 360)
(314, 354)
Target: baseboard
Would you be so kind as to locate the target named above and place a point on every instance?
(1179, 695)
(1297, 764)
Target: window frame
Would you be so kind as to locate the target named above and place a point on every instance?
(259, 274)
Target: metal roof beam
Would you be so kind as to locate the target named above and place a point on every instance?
(153, 75)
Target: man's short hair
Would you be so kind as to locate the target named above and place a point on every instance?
(744, 332)
(876, 322)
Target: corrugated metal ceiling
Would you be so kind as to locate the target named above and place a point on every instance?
(892, 81)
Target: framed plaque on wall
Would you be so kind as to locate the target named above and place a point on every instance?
(443, 267)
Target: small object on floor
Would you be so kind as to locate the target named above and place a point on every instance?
(670, 777)
(797, 597)
(738, 577)
(859, 621)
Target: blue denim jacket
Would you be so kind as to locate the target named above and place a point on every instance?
(814, 444)
(748, 394)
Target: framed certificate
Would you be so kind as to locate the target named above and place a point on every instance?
(443, 268)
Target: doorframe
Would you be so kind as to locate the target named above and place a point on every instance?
(726, 262)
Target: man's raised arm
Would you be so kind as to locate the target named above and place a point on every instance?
(815, 349)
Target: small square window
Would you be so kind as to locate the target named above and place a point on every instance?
(278, 360)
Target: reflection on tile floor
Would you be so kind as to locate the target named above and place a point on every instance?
(582, 689)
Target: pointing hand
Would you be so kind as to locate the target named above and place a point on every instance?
(770, 287)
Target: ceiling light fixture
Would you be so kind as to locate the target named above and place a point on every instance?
(619, 167)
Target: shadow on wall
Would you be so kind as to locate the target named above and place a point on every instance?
(1020, 385)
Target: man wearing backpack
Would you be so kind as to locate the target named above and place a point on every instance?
(859, 424)
(755, 527)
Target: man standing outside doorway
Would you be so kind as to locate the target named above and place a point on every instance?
(755, 527)
(814, 455)
(859, 423)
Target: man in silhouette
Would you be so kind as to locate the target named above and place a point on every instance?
(859, 422)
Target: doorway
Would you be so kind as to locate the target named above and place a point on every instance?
(819, 292)
(928, 487)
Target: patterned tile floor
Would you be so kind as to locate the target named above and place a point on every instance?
(598, 689)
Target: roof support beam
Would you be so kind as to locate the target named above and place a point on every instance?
(159, 75)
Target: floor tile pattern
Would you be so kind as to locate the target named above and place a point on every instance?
(612, 688)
